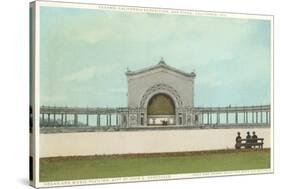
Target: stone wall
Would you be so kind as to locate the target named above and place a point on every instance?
(143, 141)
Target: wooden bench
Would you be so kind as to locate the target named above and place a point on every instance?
(249, 143)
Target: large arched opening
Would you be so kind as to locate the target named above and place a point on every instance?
(161, 110)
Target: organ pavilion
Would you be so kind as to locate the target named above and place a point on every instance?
(158, 96)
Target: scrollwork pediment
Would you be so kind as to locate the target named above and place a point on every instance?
(161, 87)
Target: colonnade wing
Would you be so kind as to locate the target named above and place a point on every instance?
(79, 117)
(240, 115)
(135, 117)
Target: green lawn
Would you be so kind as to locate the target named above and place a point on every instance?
(73, 168)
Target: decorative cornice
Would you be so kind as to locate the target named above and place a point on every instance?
(163, 65)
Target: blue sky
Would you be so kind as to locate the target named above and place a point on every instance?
(84, 55)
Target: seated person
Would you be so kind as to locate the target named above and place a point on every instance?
(238, 141)
(254, 137)
(248, 140)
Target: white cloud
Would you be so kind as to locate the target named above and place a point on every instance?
(224, 52)
(52, 100)
(117, 90)
(210, 80)
(88, 73)
(82, 75)
(96, 35)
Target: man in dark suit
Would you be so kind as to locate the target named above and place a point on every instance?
(248, 140)
(238, 141)
(254, 137)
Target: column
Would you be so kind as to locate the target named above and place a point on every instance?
(55, 121)
(208, 118)
(247, 117)
(261, 118)
(184, 118)
(75, 120)
(266, 117)
(43, 120)
(145, 118)
(87, 119)
(98, 120)
(218, 118)
(48, 119)
(253, 115)
(62, 119)
(138, 117)
(227, 117)
(117, 119)
(236, 118)
(106, 119)
(124, 119)
(128, 119)
(269, 118)
(65, 120)
(109, 119)
(257, 117)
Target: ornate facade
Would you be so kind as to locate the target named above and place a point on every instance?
(157, 96)
(147, 84)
